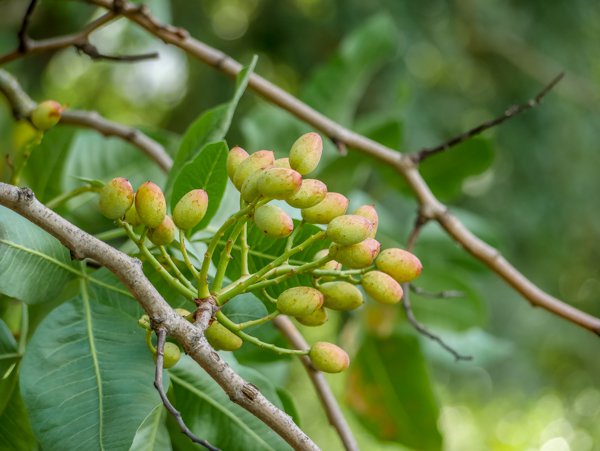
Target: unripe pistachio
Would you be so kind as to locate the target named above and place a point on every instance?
(234, 159)
(316, 318)
(349, 229)
(340, 295)
(382, 287)
(249, 190)
(299, 301)
(358, 255)
(331, 265)
(131, 216)
(222, 338)
(190, 209)
(305, 153)
(255, 162)
(400, 264)
(171, 355)
(311, 192)
(273, 221)
(46, 114)
(282, 163)
(163, 234)
(150, 204)
(332, 206)
(279, 183)
(328, 357)
(369, 212)
(116, 197)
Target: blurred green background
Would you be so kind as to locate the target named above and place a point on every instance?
(410, 74)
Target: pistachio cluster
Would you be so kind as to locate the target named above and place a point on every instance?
(352, 259)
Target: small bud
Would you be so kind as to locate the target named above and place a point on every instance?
(332, 206)
(349, 229)
(311, 192)
(299, 301)
(221, 338)
(190, 209)
(171, 355)
(163, 234)
(279, 183)
(340, 295)
(249, 191)
(369, 212)
(358, 255)
(400, 264)
(255, 162)
(46, 114)
(314, 319)
(144, 322)
(382, 287)
(116, 197)
(150, 204)
(131, 217)
(328, 357)
(234, 159)
(305, 153)
(282, 163)
(273, 221)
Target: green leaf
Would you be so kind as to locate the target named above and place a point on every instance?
(208, 170)
(87, 378)
(210, 414)
(15, 427)
(211, 126)
(152, 435)
(8, 349)
(34, 266)
(289, 405)
(390, 391)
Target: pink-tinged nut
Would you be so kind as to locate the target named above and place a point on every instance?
(382, 287)
(341, 295)
(234, 159)
(299, 301)
(332, 206)
(328, 357)
(115, 198)
(249, 191)
(400, 264)
(358, 255)
(349, 229)
(305, 153)
(369, 212)
(164, 233)
(311, 192)
(190, 209)
(221, 338)
(46, 114)
(131, 217)
(273, 221)
(316, 318)
(150, 204)
(279, 183)
(255, 162)
(282, 163)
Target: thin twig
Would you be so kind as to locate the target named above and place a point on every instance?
(445, 294)
(22, 33)
(330, 404)
(92, 51)
(509, 113)
(161, 336)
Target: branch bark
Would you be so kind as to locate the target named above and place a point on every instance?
(430, 206)
(191, 337)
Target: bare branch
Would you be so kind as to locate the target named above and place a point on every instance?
(129, 271)
(92, 51)
(509, 113)
(22, 34)
(445, 294)
(332, 409)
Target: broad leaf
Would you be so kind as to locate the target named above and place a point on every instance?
(87, 378)
(15, 427)
(34, 266)
(390, 391)
(8, 349)
(207, 170)
(210, 414)
(152, 434)
(211, 126)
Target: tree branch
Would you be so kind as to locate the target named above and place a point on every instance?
(332, 408)
(431, 207)
(190, 336)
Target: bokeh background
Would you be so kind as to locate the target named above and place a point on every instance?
(410, 74)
